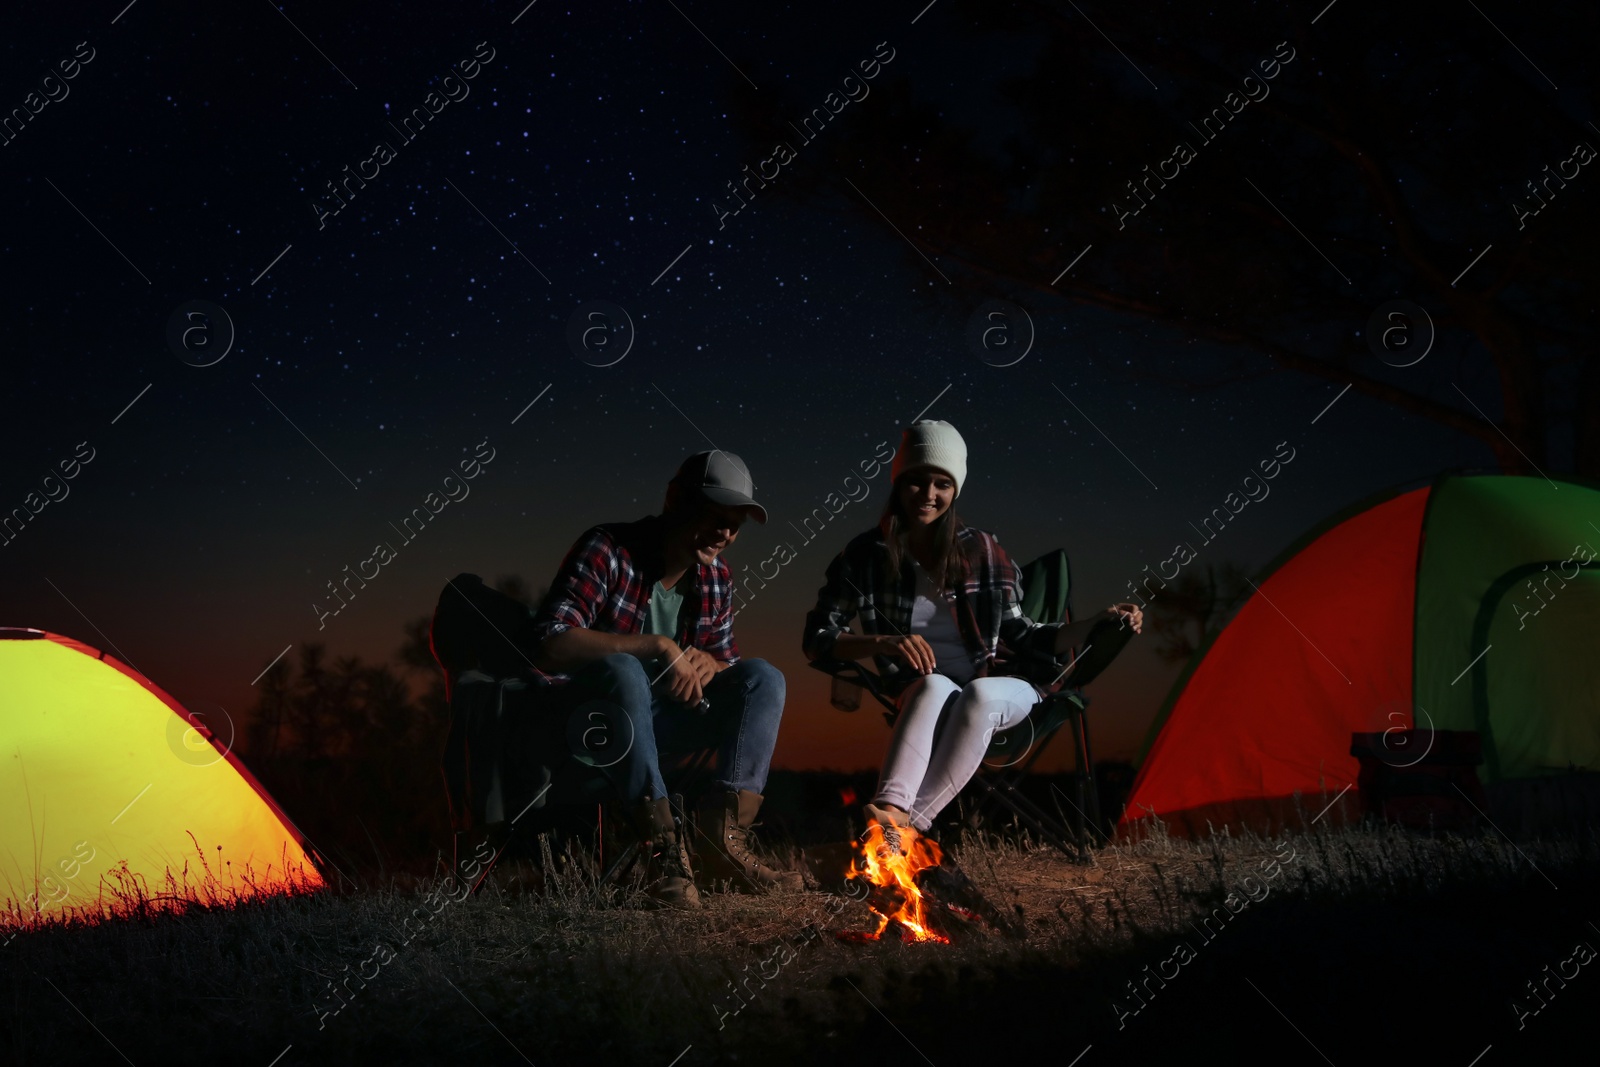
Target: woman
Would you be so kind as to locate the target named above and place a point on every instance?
(939, 601)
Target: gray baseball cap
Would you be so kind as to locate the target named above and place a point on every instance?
(722, 478)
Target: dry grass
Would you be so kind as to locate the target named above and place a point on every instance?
(568, 976)
(204, 883)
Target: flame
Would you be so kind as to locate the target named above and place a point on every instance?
(847, 796)
(895, 897)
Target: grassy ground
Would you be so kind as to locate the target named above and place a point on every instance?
(1333, 947)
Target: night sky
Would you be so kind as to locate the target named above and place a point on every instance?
(584, 160)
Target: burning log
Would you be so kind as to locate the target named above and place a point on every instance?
(895, 897)
(919, 893)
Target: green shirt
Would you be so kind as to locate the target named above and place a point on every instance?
(664, 606)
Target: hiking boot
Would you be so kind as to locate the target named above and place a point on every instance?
(668, 874)
(725, 820)
(893, 821)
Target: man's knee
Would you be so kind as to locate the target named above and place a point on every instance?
(622, 677)
(610, 721)
(621, 665)
(759, 674)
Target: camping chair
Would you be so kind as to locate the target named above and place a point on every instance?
(495, 783)
(1046, 584)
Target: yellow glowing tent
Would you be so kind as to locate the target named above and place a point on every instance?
(112, 800)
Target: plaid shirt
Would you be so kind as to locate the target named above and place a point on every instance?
(988, 611)
(605, 583)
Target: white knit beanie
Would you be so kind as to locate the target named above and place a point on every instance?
(931, 443)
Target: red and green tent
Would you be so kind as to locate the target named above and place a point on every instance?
(111, 794)
(1471, 604)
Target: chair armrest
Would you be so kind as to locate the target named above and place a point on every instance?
(854, 673)
(1104, 643)
(851, 671)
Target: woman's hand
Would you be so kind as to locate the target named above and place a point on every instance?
(913, 649)
(1126, 614)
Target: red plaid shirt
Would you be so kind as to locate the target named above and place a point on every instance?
(988, 609)
(605, 583)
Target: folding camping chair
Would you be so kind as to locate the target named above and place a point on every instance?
(1046, 584)
(496, 784)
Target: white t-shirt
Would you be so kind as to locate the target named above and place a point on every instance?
(933, 618)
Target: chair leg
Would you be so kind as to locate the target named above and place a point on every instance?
(1083, 823)
(1058, 830)
(1011, 789)
(1017, 805)
(1090, 832)
(1092, 800)
(1071, 822)
(692, 779)
(500, 836)
(619, 867)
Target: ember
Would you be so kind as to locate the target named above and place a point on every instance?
(895, 897)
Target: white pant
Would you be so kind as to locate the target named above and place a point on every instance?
(921, 778)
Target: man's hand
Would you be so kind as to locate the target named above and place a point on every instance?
(683, 675)
(703, 662)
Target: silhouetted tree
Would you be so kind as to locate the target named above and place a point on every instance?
(1194, 606)
(416, 656)
(1400, 147)
(265, 732)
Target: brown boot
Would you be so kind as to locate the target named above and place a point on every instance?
(725, 820)
(667, 872)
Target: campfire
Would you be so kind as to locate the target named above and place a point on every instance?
(895, 899)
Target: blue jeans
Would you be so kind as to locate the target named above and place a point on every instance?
(746, 703)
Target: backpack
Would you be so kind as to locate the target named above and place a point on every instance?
(483, 641)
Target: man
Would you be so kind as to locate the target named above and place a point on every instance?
(639, 622)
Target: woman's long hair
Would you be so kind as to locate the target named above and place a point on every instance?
(949, 567)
